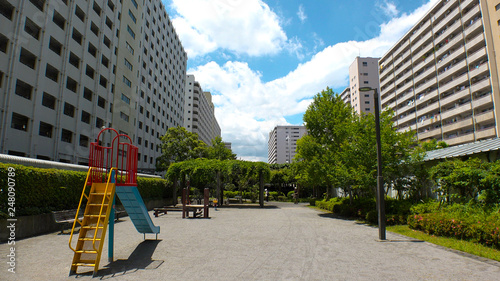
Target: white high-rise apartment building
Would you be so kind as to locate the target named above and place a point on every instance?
(199, 115)
(162, 78)
(442, 77)
(69, 68)
(282, 143)
(57, 63)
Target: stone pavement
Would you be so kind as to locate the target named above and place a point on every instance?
(280, 242)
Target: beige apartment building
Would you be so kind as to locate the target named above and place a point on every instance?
(441, 78)
(199, 112)
(363, 72)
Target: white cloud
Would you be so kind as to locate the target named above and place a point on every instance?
(247, 108)
(301, 14)
(241, 26)
(389, 8)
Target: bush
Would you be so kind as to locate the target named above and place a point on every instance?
(40, 190)
(467, 222)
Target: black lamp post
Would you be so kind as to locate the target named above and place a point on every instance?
(380, 180)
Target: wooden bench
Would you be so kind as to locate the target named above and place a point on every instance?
(197, 210)
(119, 212)
(164, 210)
(66, 217)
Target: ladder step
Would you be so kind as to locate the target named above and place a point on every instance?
(100, 193)
(86, 252)
(83, 264)
(95, 216)
(89, 239)
(96, 205)
(92, 227)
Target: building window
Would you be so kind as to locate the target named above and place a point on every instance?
(87, 94)
(23, 89)
(32, 29)
(497, 7)
(45, 130)
(85, 117)
(49, 101)
(66, 136)
(124, 116)
(69, 110)
(132, 16)
(52, 73)
(92, 50)
(97, 9)
(130, 31)
(4, 42)
(367, 102)
(79, 13)
(365, 63)
(125, 99)
(27, 58)
(59, 20)
(94, 29)
(135, 3)
(71, 84)
(99, 122)
(89, 71)
(131, 50)
(128, 65)
(19, 122)
(101, 102)
(74, 60)
(127, 82)
(6, 9)
(84, 141)
(103, 82)
(105, 61)
(55, 46)
(367, 109)
(77, 36)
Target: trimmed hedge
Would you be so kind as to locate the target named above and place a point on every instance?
(365, 209)
(40, 190)
(459, 221)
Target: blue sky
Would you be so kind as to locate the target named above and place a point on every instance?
(264, 60)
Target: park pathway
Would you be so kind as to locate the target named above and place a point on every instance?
(282, 241)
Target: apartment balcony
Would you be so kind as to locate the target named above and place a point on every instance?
(401, 48)
(424, 50)
(422, 28)
(428, 109)
(485, 117)
(406, 129)
(398, 61)
(404, 77)
(454, 83)
(428, 121)
(457, 125)
(479, 54)
(481, 102)
(385, 99)
(471, 13)
(479, 71)
(482, 85)
(429, 134)
(455, 97)
(475, 41)
(457, 52)
(389, 90)
(460, 139)
(475, 27)
(407, 106)
(465, 4)
(406, 66)
(446, 20)
(406, 119)
(452, 70)
(446, 47)
(424, 42)
(426, 73)
(392, 105)
(388, 70)
(456, 111)
(423, 98)
(486, 133)
(426, 85)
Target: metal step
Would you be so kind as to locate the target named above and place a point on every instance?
(83, 264)
(86, 251)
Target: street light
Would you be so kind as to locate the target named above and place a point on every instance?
(380, 182)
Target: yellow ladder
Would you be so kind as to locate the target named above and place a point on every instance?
(94, 224)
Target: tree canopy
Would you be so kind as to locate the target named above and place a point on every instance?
(178, 144)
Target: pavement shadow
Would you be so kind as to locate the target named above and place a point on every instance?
(139, 259)
(335, 216)
(248, 206)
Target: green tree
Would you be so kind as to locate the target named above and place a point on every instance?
(219, 151)
(179, 145)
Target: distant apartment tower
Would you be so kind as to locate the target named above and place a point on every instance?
(199, 112)
(441, 78)
(283, 143)
(363, 72)
(57, 76)
(346, 95)
(70, 68)
(161, 76)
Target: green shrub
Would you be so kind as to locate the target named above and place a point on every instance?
(465, 222)
(40, 190)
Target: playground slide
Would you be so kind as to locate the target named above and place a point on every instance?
(136, 210)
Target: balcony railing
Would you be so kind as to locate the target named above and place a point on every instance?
(482, 101)
(429, 134)
(428, 109)
(486, 133)
(484, 117)
(476, 55)
(454, 83)
(481, 85)
(457, 125)
(456, 111)
(460, 139)
(455, 97)
(423, 98)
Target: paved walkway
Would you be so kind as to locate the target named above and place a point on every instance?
(280, 242)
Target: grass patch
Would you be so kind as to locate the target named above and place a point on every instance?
(451, 243)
